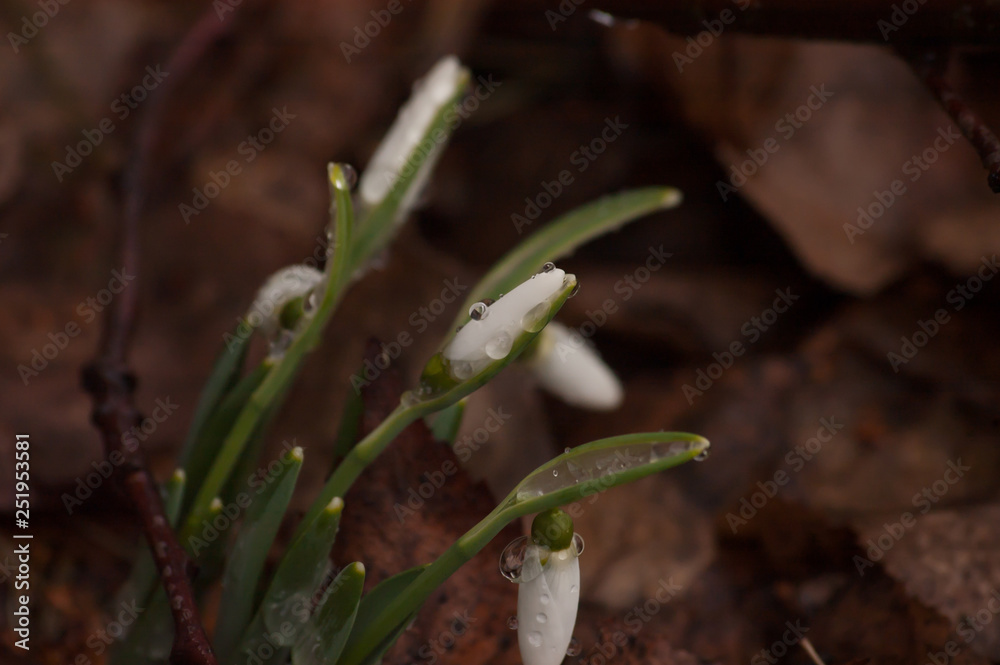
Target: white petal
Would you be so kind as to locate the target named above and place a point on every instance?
(546, 610)
(481, 342)
(568, 366)
(410, 127)
(281, 288)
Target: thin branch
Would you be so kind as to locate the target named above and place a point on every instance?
(111, 383)
(952, 22)
(930, 67)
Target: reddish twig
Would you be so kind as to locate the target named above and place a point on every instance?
(112, 384)
(931, 67)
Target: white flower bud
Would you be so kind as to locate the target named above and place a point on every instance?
(566, 365)
(489, 336)
(430, 94)
(547, 605)
(281, 288)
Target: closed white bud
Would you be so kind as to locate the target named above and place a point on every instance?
(566, 365)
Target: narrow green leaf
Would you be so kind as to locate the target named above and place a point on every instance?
(300, 573)
(224, 375)
(561, 237)
(272, 389)
(246, 562)
(448, 421)
(376, 600)
(329, 627)
(350, 423)
(215, 430)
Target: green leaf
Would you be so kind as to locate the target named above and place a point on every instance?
(246, 562)
(378, 225)
(561, 237)
(350, 423)
(585, 470)
(272, 389)
(224, 375)
(216, 428)
(329, 627)
(374, 602)
(300, 573)
(448, 421)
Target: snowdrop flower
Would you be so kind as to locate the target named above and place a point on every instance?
(565, 364)
(288, 285)
(549, 592)
(494, 327)
(409, 134)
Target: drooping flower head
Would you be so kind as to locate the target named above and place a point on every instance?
(566, 365)
(549, 591)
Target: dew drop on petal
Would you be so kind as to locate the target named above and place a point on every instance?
(544, 598)
(498, 347)
(534, 319)
(462, 370)
(548, 267)
(541, 617)
(576, 289)
(478, 311)
(512, 622)
(512, 558)
(535, 638)
(574, 648)
(578, 543)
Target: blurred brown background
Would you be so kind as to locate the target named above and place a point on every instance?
(858, 296)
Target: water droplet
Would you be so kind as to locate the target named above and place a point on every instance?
(462, 369)
(535, 318)
(512, 558)
(702, 456)
(512, 622)
(545, 598)
(350, 175)
(498, 347)
(541, 617)
(479, 311)
(576, 289)
(573, 588)
(574, 648)
(535, 638)
(578, 543)
(555, 472)
(409, 399)
(548, 267)
(567, 449)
